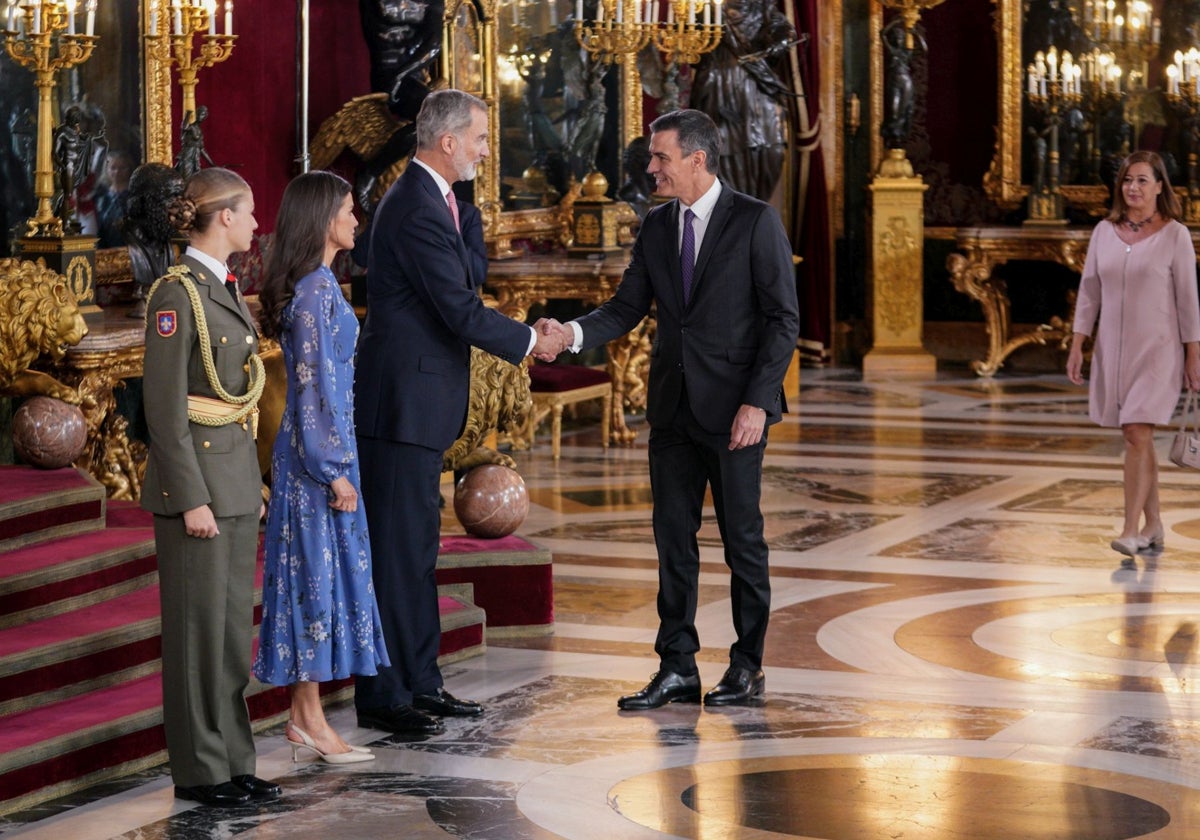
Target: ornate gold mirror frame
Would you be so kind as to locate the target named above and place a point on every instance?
(1003, 180)
(471, 25)
(112, 264)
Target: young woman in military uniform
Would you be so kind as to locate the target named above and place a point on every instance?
(202, 383)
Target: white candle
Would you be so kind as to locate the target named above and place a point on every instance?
(1032, 76)
(37, 16)
(70, 17)
(9, 25)
(578, 9)
(229, 17)
(600, 12)
(691, 11)
(91, 18)
(1155, 31)
(718, 2)
(670, 11)
(210, 6)
(153, 17)
(620, 11)
(516, 13)
(553, 14)
(178, 27)
(707, 13)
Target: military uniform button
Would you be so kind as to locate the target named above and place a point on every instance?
(249, 339)
(246, 367)
(207, 444)
(245, 427)
(224, 340)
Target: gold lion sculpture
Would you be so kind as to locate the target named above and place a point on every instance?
(38, 316)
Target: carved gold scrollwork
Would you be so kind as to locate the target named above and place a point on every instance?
(972, 273)
(900, 260)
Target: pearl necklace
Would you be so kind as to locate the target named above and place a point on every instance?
(1137, 226)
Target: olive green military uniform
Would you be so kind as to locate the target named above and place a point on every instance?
(206, 585)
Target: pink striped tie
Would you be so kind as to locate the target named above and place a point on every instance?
(453, 205)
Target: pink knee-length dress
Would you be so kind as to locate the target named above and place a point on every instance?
(1145, 298)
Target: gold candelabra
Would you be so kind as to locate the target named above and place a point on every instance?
(687, 30)
(1183, 95)
(1055, 86)
(40, 36)
(172, 28)
(910, 10)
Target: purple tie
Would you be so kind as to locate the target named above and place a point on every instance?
(453, 205)
(687, 254)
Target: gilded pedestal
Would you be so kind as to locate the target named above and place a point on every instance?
(897, 294)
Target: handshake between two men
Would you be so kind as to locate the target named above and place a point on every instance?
(553, 338)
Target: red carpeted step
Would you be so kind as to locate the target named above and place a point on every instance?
(498, 570)
(66, 653)
(71, 572)
(125, 514)
(43, 504)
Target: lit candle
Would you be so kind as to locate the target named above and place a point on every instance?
(70, 17)
(707, 13)
(1155, 30)
(620, 11)
(37, 16)
(1120, 28)
(10, 25)
(718, 2)
(210, 6)
(516, 13)
(600, 12)
(1032, 76)
(1052, 60)
(153, 17)
(178, 27)
(91, 18)
(228, 17)
(578, 9)
(691, 12)
(553, 14)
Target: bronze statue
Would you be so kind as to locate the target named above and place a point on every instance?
(191, 143)
(898, 82)
(151, 220)
(738, 85)
(79, 146)
(638, 189)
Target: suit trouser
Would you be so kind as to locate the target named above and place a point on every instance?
(206, 588)
(401, 489)
(684, 458)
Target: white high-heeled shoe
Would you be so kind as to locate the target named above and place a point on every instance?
(356, 755)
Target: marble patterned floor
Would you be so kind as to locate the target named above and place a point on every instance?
(955, 652)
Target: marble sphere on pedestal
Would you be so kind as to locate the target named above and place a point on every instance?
(48, 433)
(490, 501)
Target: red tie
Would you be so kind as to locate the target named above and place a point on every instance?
(231, 285)
(453, 204)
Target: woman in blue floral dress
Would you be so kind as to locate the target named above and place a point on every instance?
(320, 620)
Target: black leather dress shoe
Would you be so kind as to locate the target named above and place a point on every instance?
(739, 687)
(224, 795)
(445, 704)
(400, 719)
(664, 687)
(258, 788)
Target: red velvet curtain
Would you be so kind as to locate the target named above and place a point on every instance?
(812, 238)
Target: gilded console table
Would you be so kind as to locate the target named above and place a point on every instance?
(111, 352)
(973, 273)
(519, 284)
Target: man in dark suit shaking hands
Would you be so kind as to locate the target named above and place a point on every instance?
(718, 267)
(410, 390)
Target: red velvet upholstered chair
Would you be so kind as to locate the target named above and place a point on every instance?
(554, 386)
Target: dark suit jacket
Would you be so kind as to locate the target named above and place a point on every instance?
(733, 341)
(192, 465)
(423, 315)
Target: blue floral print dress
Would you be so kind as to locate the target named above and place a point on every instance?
(320, 619)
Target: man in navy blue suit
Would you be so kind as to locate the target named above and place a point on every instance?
(718, 267)
(410, 391)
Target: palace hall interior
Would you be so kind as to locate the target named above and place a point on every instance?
(964, 640)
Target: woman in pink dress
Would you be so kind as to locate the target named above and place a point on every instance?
(1139, 280)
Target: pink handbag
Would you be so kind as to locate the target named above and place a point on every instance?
(1185, 448)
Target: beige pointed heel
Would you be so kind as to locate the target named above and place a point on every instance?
(356, 755)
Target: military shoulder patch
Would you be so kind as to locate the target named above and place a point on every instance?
(166, 321)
